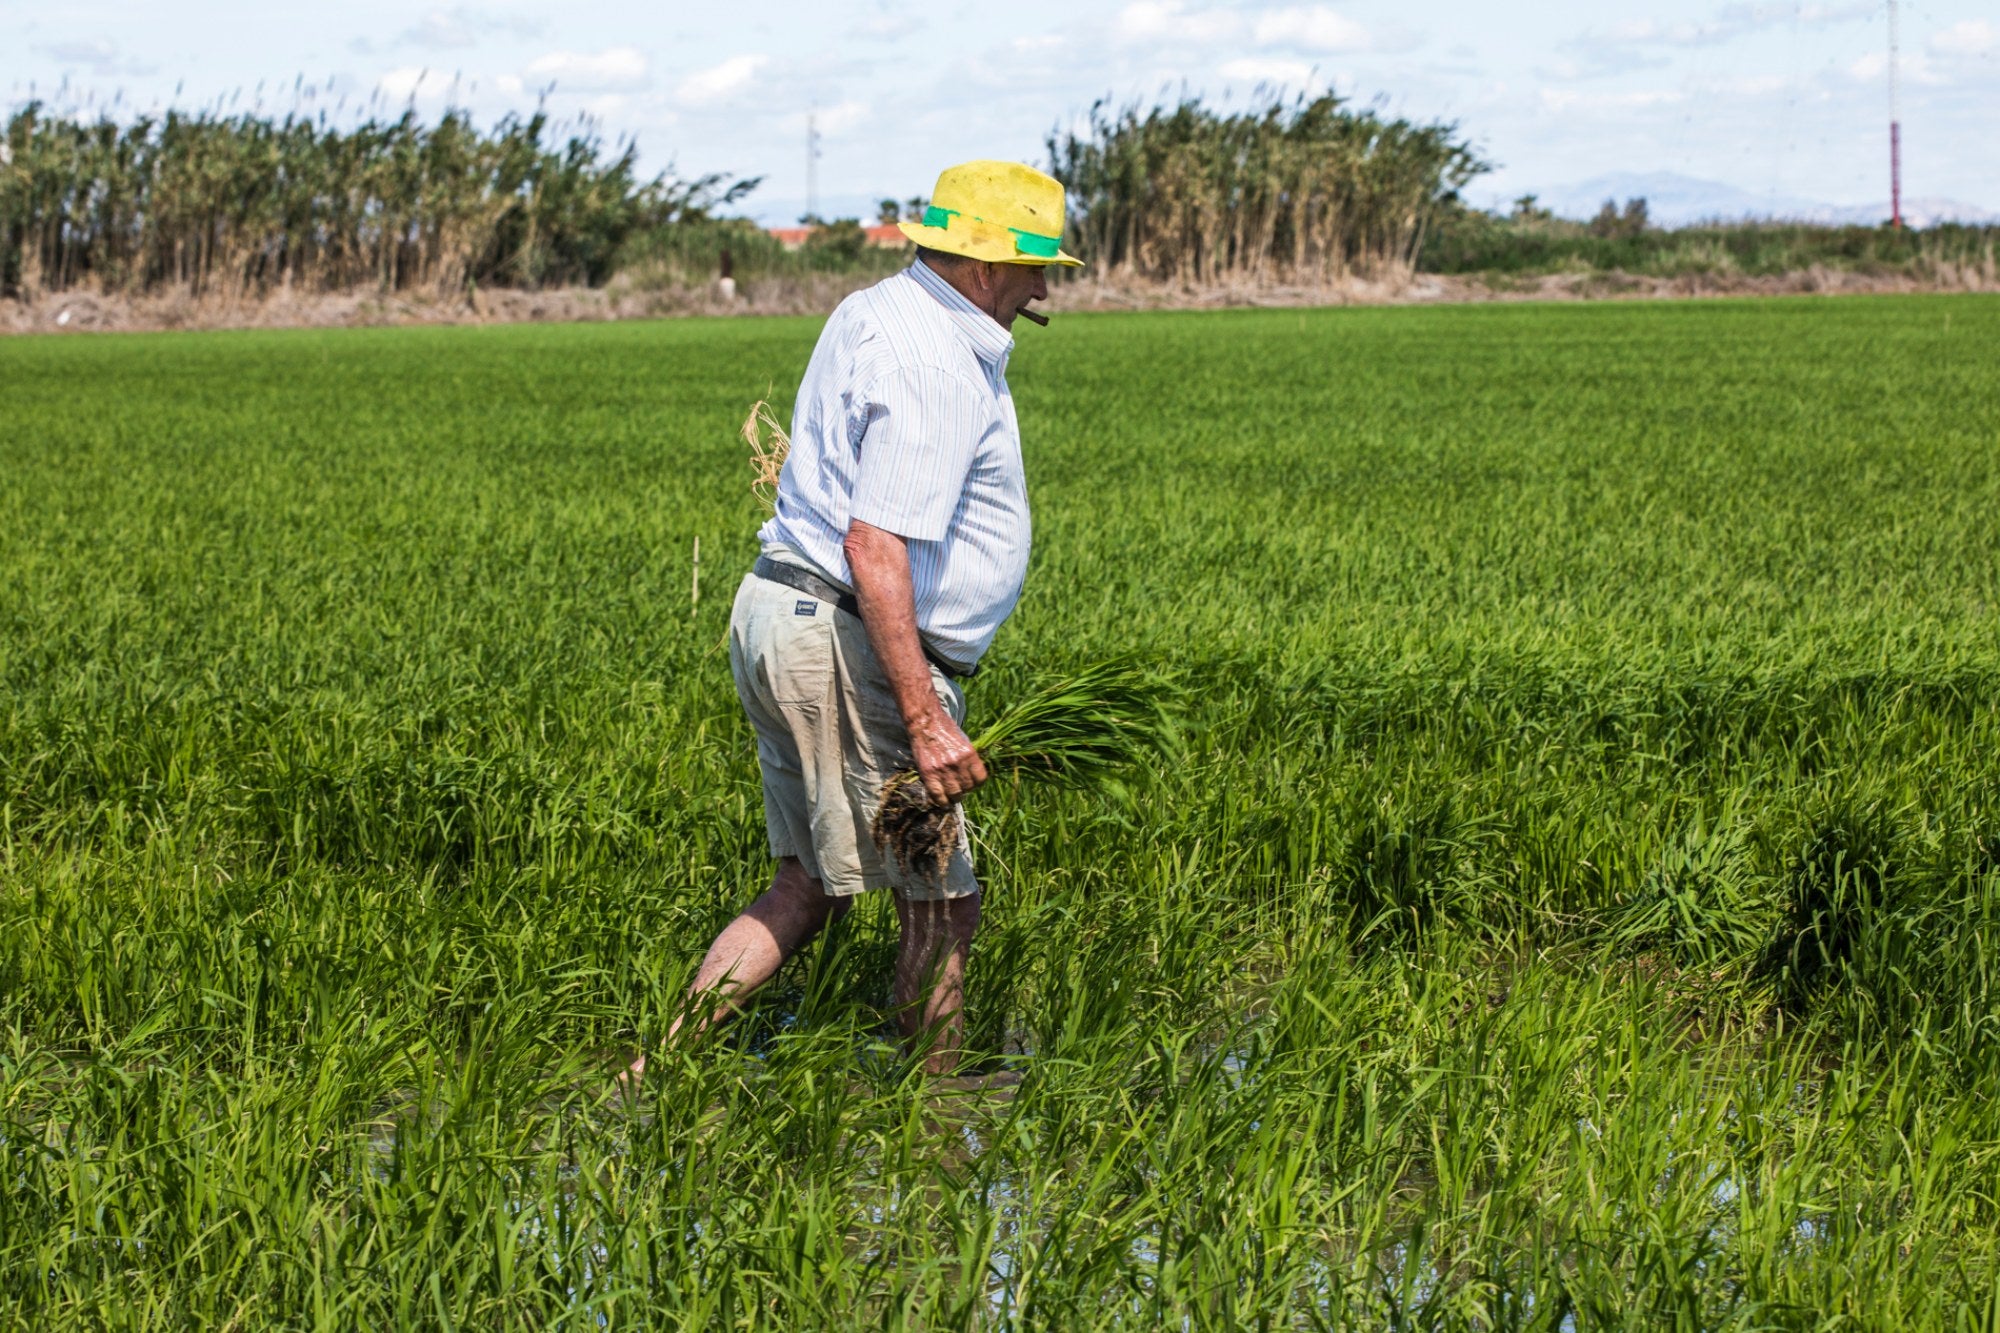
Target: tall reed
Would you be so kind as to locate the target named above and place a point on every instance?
(246, 204)
(1305, 190)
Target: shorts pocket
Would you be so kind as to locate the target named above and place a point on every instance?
(799, 664)
(781, 645)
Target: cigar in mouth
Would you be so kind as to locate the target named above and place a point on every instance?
(1036, 316)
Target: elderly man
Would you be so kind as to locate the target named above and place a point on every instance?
(898, 548)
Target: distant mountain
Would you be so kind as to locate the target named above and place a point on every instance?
(786, 212)
(1916, 212)
(1674, 200)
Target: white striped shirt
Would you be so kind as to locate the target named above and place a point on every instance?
(904, 421)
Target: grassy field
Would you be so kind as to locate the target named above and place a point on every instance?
(1576, 908)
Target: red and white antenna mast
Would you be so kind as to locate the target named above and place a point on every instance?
(1895, 128)
(812, 166)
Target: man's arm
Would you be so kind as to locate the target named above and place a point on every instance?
(880, 560)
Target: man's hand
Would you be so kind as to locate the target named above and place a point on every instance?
(880, 560)
(946, 761)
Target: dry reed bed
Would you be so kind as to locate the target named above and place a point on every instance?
(819, 294)
(88, 311)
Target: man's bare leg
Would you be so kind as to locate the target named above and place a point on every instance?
(936, 937)
(752, 948)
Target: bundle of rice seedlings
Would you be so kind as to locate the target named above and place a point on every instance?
(769, 446)
(1075, 730)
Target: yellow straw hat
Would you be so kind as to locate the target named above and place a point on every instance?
(998, 211)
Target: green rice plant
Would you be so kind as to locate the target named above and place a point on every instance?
(1081, 727)
(1701, 904)
(1840, 885)
(369, 788)
(1411, 861)
(1077, 728)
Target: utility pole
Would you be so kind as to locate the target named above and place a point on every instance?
(812, 164)
(1895, 128)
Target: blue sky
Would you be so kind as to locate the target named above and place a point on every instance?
(1786, 99)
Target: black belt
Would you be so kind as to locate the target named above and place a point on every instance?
(804, 580)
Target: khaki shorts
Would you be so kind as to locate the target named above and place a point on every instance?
(829, 735)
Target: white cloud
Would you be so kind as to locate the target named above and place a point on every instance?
(1301, 28)
(97, 54)
(444, 30)
(1760, 85)
(94, 51)
(887, 27)
(841, 117)
(1637, 44)
(1313, 28)
(1914, 67)
(1173, 21)
(1296, 74)
(412, 83)
(1568, 99)
(452, 30)
(1737, 20)
(722, 81)
(828, 120)
(614, 69)
(509, 84)
(1671, 34)
(1968, 37)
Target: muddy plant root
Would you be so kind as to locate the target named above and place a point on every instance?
(918, 833)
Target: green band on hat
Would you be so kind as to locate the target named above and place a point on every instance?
(1027, 242)
(1041, 247)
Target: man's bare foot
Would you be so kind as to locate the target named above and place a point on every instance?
(631, 1078)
